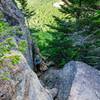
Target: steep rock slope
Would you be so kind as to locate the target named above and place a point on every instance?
(23, 83)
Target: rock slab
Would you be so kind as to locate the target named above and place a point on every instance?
(23, 83)
(76, 81)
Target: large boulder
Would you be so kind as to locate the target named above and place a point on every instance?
(76, 81)
(21, 83)
(86, 83)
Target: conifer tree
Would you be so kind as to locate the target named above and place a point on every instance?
(25, 10)
(81, 25)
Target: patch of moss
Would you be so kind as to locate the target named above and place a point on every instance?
(15, 59)
(8, 36)
(6, 46)
(4, 76)
(22, 45)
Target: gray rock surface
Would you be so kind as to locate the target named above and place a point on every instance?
(76, 81)
(23, 83)
(86, 83)
(15, 17)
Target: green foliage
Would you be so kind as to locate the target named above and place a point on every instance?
(23, 5)
(6, 46)
(4, 76)
(43, 40)
(85, 2)
(57, 47)
(6, 30)
(44, 15)
(56, 42)
(22, 46)
(8, 36)
(44, 11)
(15, 59)
(87, 18)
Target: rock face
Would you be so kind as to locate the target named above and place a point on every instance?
(15, 17)
(86, 83)
(23, 83)
(76, 81)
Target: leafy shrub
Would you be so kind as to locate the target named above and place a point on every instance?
(8, 36)
(22, 46)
